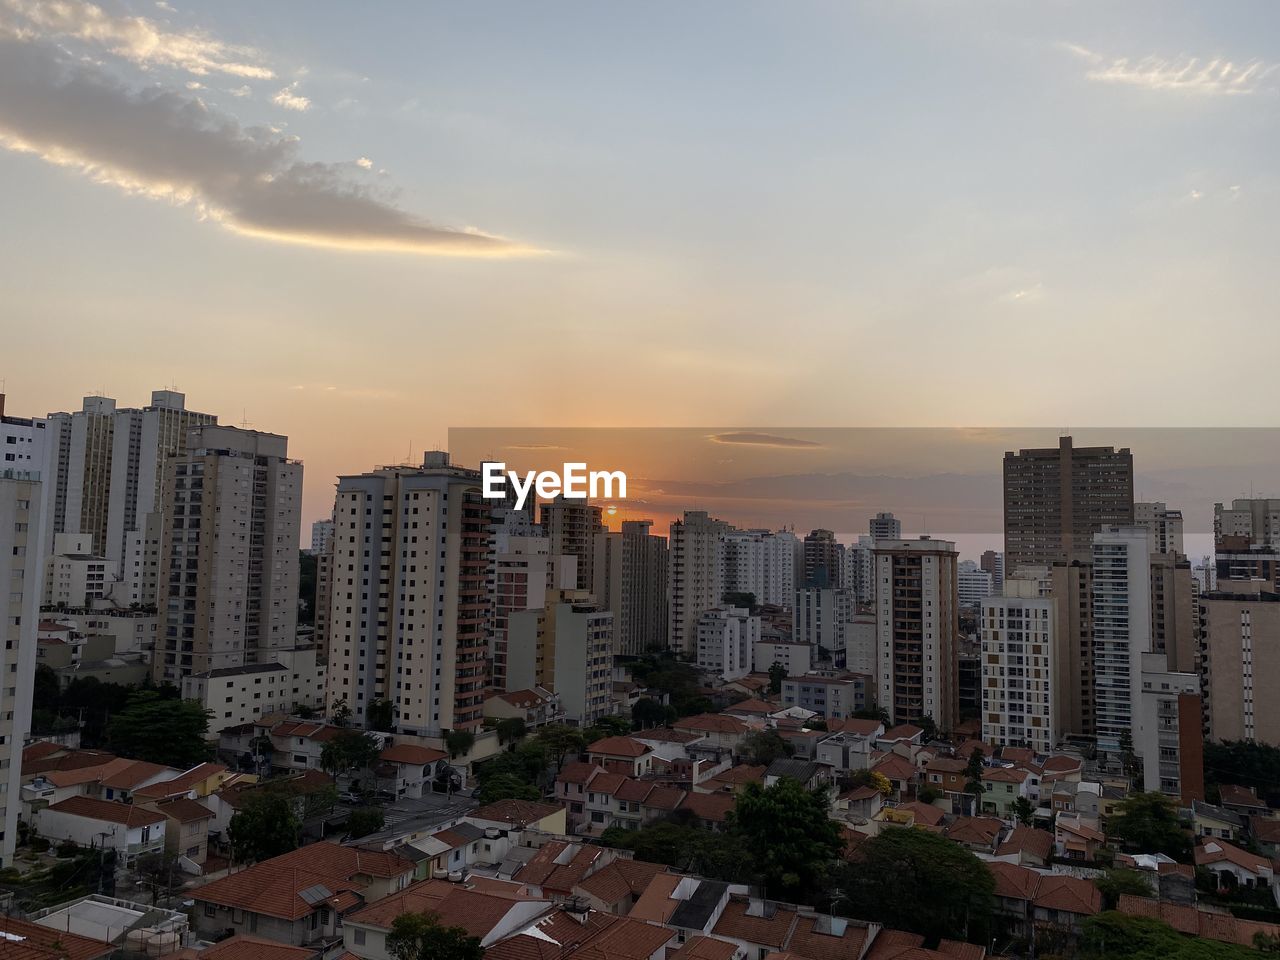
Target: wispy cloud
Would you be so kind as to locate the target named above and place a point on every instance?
(763, 440)
(168, 144)
(1184, 74)
(290, 99)
(138, 39)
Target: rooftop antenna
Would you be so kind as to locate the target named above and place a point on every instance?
(244, 419)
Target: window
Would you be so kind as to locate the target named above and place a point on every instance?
(358, 938)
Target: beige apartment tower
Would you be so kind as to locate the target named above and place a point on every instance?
(1240, 637)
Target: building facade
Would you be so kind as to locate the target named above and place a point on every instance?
(695, 575)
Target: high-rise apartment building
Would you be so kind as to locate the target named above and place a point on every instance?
(761, 563)
(1021, 704)
(321, 534)
(726, 641)
(570, 526)
(885, 526)
(1246, 524)
(409, 610)
(1168, 735)
(1056, 499)
(565, 647)
(640, 623)
(22, 513)
(695, 575)
(822, 619)
(975, 584)
(1121, 630)
(917, 623)
(992, 561)
(228, 581)
(1163, 526)
(111, 466)
(823, 560)
(524, 572)
(1240, 667)
(858, 577)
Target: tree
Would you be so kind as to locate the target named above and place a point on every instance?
(868, 778)
(788, 830)
(973, 779)
(307, 567)
(739, 598)
(1149, 822)
(612, 725)
(1127, 756)
(649, 713)
(930, 728)
(364, 821)
(421, 936)
(762, 747)
(688, 848)
(1255, 765)
(349, 750)
(506, 786)
(1023, 811)
(560, 741)
(380, 714)
(161, 730)
(510, 728)
(1112, 934)
(872, 711)
(913, 880)
(777, 673)
(928, 794)
(1117, 882)
(458, 742)
(264, 827)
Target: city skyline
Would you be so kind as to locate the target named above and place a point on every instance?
(752, 223)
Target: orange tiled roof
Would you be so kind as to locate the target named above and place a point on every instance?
(181, 783)
(515, 811)
(411, 753)
(712, 723)
(711, 807)
(109, 811)
(1069, 894)
(1038, 843)
(977, 830)
(126, 778)
(457, 906)
(619, 747)
(656, 904)
(620, 880)
(808, 941)
(705, 948)
(30, 941)
(244, 947)
(766, 930)
(1218, 851)
(184, 810)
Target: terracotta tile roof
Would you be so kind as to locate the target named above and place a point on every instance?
(607, 782)
(1012, 881)
(1017, 754)
(662, 797)
(620, 880)
(274, 887)
(711, 807)
(925, 813)
(126, 778)
(858, 794)
(815, 939)
(665, 735)
(753, 707)
(632, 790)
(1004, 775)
(770, 930)
(903, 731)
(891, 944)
(1038, 843)
(411, 753)
(1218, 851)
(551, 937)
(559, 866)
(181, 783)
(307, 729)
(980, 831)
(1266, 829)
(1183, 918)
(1194, 922)
(109, 811)
(655, 904)
(575, 771)
(30, 941)
(626, 939)
(236, 793)
(1078, 828)
(524, 699)
(515, 812)
(854, 726)
(619, 747)
(1069, 894)
(705, 948)
(1235, 795)
(895, 767)
(1060, 763)
(456, 905)
(946, 765)
(244, 947)
(39, 750)
(76, 775)
(712, 723)
(184, 810)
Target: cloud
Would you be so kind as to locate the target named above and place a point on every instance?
(1029, 294)
(166, 144)
(762, 440)
(241, 91)
(1181, 74)
(137, 39)
(290, 100)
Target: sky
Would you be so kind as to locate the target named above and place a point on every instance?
(362, 226)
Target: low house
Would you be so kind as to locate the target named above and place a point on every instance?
(408, 769)
(560, 865)
(1002, 786)
(922, 815)
(616, 887)
(489, 911)
(186, 832)
(196, 783)
(300, 897)
(1265, 832)
(1027, 847)
(719, 730)
(622, 755)
(1234, 867)
(809, 774)
(131, 831)
(1074, 839)
(311, 793)
(244, 947)
(947, 776)
(1210, 821)
(900, 772)
(979, 834)
(1242, 801)
(710, 809)
(859, 803)
(536, 707)
(1031, 900)
(24, 940)
(520, 815)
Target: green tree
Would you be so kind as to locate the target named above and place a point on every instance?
(1149, 822)
(264, 827)
(929, 726)
(560, 741)
(612, 725)
(973, 787)
(777, 673)
(739, 598)
(421, 936)
(1023, 811)
(1127, 756)
(649, 713)
(340, 712)
(869, 778)
(872, 711)
(914, 880)
(1112, 934)
(506, 786)
(763, 747)
(510, 728)
(364, 821)
(793, 839)
(928, 794)
(306, 587)
(1255, 765)
(160, 730)
(349, 750)
(458, 742)
(1117, 882)
(380, 715)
